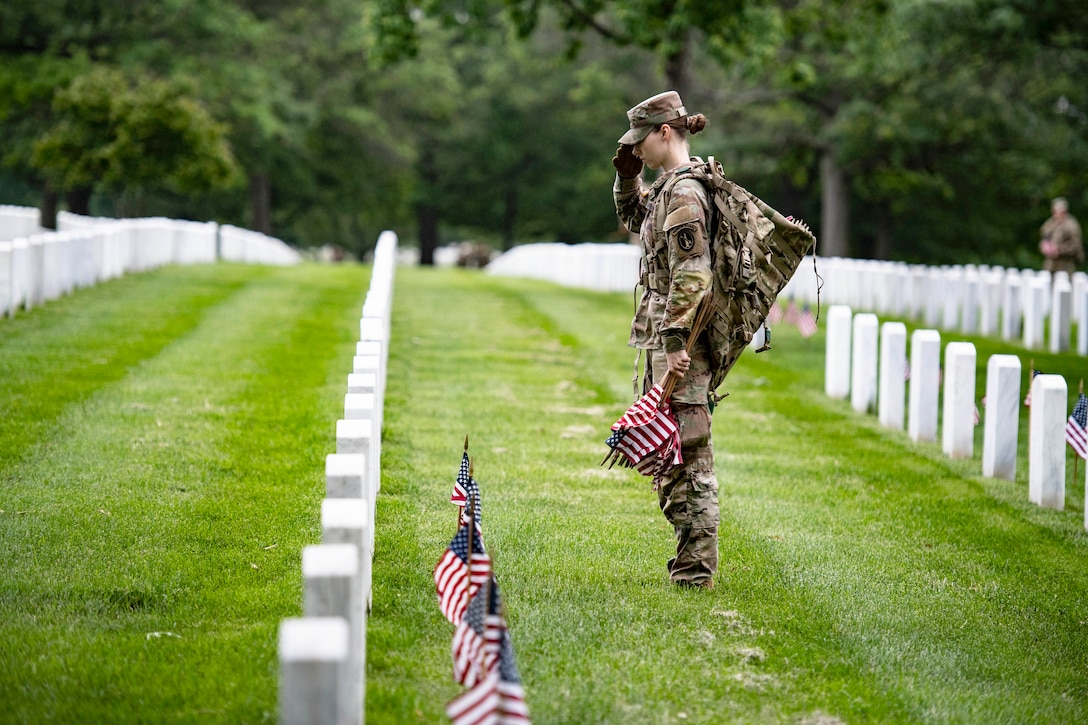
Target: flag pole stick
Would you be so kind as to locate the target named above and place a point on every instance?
(702, 317)
(471, 505)
(470, 475)
(1076, 456)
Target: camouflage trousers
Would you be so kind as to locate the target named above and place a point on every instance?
(688, 494)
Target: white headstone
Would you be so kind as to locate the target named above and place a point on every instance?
(1011, 306)
(951, 297)
(346, 476)
(925, 375)
(893, 385)
(362, 382)
(1001, 431)
(332, 588)
(958, 424)
(347, 521)
(1035, 304)
(863, 363)
(1080, 301)
(313, 655)
(990, 304)
(935, 296)
(837, 358)
(1061, 314)
(360, 406)
(1046, 450)
(972, 294)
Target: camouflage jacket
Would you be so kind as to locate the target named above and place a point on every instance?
(675, 270)
(1065, 234)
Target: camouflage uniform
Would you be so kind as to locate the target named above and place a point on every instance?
(1065, 234)
(675, 274)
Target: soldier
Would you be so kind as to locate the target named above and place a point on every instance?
(675, 274)
(1059, 240)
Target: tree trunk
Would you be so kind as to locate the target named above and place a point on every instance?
(49, 208)
(428, 233)
(676, 66)
(509, 216)
(884, 238)
(834, 237)
(79, 200)
(427, 212)
(260, 203)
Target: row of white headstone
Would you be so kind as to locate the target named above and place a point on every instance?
(39, 265)
(322, 654)
(1028, 305)
(1016, 304)
(867, 362)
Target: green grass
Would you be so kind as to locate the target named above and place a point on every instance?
(163, 445)
(162, 462)
(864, 578)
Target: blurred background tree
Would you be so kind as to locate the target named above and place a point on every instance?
(921, 130)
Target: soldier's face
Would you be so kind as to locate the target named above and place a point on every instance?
(652, 149)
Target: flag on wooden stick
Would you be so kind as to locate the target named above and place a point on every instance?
(466, 489)
(1075, 433)
(461, 571)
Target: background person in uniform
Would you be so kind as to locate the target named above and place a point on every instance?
(1060, 241)
(675, 274)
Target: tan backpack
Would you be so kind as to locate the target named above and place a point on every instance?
(754, 252)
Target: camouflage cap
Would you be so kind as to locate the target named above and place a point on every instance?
(661, 108)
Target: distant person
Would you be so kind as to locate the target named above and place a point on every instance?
(675, 275)
(1060, 241)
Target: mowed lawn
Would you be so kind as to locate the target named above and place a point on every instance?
(162, 467)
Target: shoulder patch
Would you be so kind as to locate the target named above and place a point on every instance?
(683, 214)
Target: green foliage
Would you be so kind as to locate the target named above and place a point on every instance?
(146, 134)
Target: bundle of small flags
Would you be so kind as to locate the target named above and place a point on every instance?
(468, 595)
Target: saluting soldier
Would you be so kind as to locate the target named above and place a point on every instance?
(675, 274)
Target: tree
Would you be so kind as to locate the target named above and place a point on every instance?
(132, 137)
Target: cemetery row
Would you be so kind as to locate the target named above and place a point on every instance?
(322, 654)
(871, 367)
(1026, 305)
(37, 265)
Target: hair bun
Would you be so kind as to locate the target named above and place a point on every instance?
(696, 123)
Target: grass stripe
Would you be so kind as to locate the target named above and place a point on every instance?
(864, 578)
(162, 528)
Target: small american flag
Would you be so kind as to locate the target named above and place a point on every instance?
(498, 698)
(774, 316)
(454, 580)
(466, 489)
(806, 322)
(1027, 398)
(1075, 434)
(647, 434)
(791, 314)
(460, 484)
(476, 641)
(906, 370)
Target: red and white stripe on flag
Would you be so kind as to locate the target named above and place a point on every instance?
(479, 705)
(1076, 437)
(456, 585)
(643, 411)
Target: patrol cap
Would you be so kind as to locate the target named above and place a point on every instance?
(661, 108)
